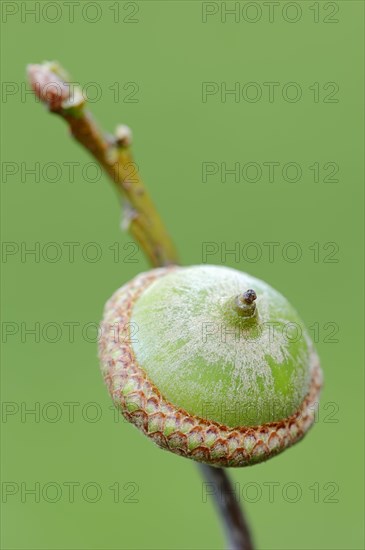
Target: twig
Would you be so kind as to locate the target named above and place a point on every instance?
(52, 86)
(237, 530)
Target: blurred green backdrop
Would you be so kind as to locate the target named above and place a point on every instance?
(98, 483)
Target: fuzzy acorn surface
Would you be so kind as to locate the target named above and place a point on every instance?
(210, 363)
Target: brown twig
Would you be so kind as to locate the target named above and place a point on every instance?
(235, 525)
(51, 85)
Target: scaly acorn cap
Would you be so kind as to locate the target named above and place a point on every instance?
(210, 363)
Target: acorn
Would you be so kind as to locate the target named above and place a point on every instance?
(210, 363)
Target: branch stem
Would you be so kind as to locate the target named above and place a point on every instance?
(51, 85)
(237, 531)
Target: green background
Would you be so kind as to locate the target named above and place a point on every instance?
(169, 52)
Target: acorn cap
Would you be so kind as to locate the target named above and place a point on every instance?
(210, 363)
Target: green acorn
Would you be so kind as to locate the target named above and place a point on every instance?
(210, 363)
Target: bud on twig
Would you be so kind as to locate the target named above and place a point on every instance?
(50, 84)
(123, 136)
